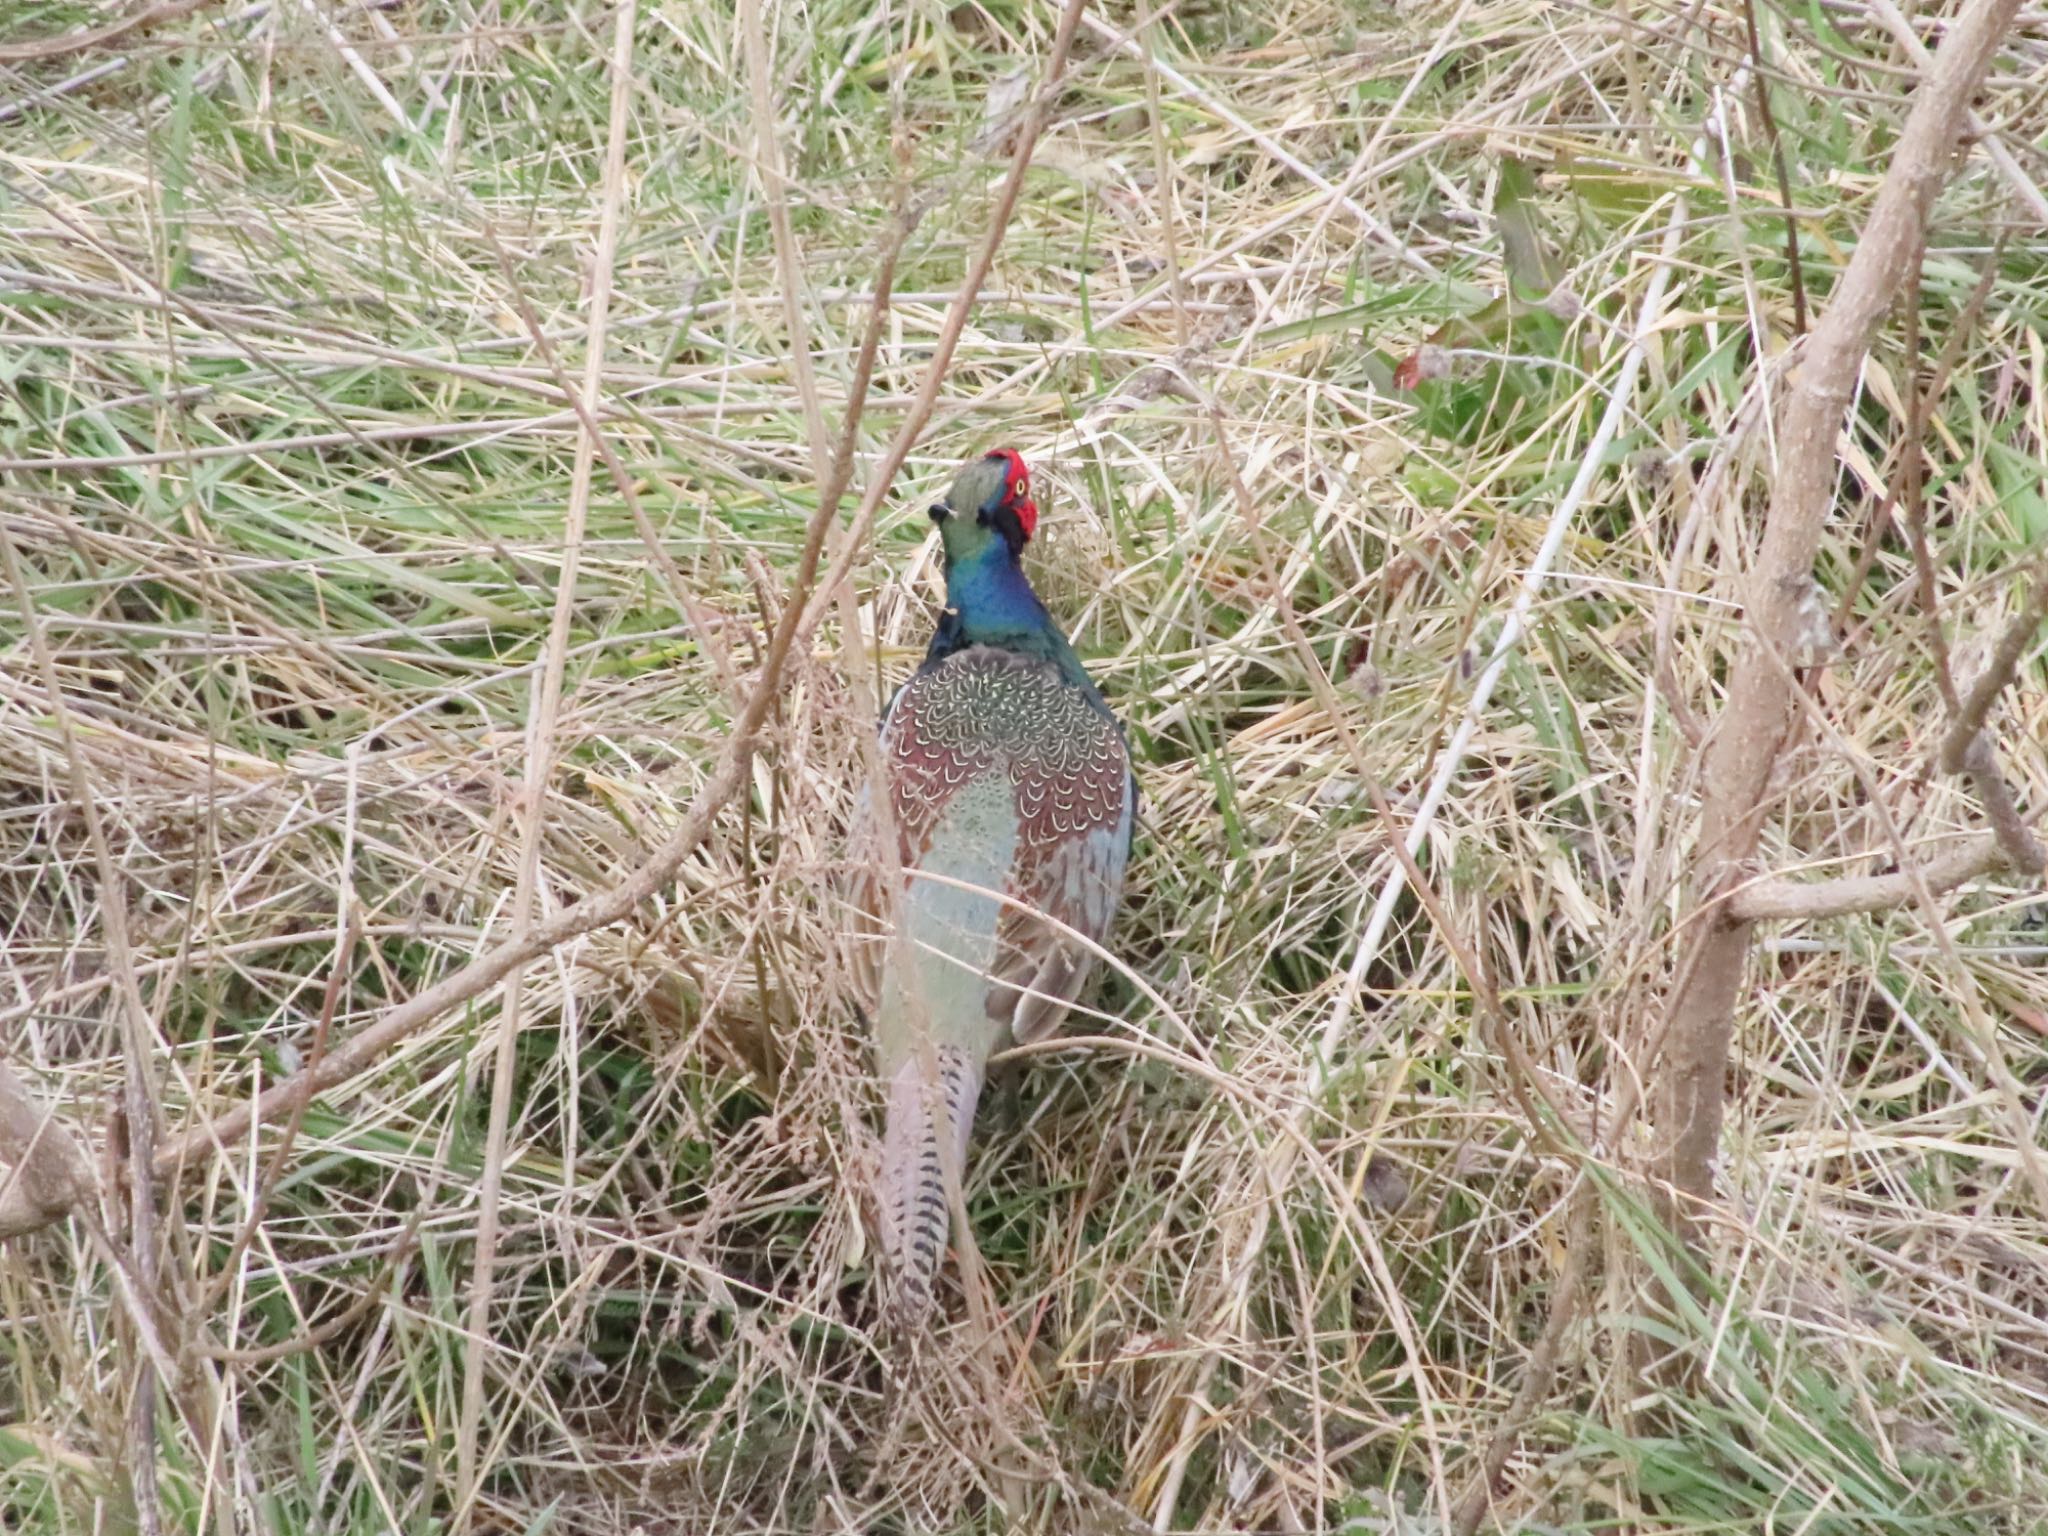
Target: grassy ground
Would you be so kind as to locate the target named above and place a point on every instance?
(285, 467)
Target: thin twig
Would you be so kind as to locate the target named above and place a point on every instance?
(322, 1334)
(955, 321)
(1777, 143)
(1540, 1374)
(138, 1039)
(1910, 450)
(98, 37)
(1550, 1127)
(295, 1119)
(540, 757)
(2020, 847)
(1781, 900)
(1997, 676)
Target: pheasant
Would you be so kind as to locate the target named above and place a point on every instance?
(1011, 792)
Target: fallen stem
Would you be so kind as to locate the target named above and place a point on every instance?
(1782, 900)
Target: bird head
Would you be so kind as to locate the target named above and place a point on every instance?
(990, 499)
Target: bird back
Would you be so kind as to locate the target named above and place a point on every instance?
(1012, 799)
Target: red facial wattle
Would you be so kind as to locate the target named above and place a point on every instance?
(1017, 492)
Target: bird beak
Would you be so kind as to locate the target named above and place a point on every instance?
(940, 512)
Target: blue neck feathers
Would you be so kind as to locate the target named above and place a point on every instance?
(992, 596)
(989, 601)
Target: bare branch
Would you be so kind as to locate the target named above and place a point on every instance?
(1980, 762)
(1997, 674)
(97, 37)
(1781, 900)
(1755, 727)
(955, 321)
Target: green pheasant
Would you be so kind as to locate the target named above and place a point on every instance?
(1012, 798)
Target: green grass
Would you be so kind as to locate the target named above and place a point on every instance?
(287, 471)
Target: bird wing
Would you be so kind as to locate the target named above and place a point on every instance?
(928, 757)
(1075, 801)
(984, 713)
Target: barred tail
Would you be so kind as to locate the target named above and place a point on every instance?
(922, 1118)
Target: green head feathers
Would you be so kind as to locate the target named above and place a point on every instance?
(990, 498)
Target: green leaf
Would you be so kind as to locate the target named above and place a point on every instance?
(1533, 273)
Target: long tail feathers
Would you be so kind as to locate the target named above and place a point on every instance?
(922, 1119)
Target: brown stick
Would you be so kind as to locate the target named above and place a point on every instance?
(1756, 725)
(1779, 900)
(137, 1031)
(1541, 1371)
(1969, 746)
(259, 1201)
(98, 37)
(2020, 847)
(1761, 84)
(1911, 456)
(956, 317)
(1996, 676)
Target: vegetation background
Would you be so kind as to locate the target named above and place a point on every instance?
(294, 302)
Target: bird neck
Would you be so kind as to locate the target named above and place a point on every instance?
(989, 601)
(992, 595)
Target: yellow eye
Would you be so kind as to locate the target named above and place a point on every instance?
(1023, 485)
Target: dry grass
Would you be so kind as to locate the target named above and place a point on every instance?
(287, 472)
